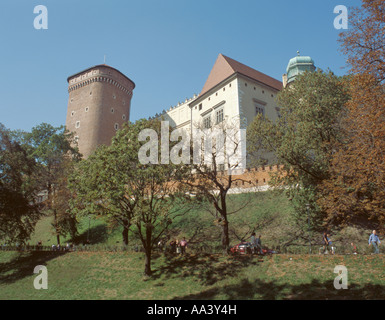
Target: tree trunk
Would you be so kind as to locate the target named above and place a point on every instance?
(225, 236)
(147, 263)
(125, 232)
(56, 227)
(225, 227)
(148, 250)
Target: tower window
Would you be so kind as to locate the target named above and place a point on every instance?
(114, 96)
(200, 106)
(124, 117)
(116, 126)
(77, 125)
(72, 113)
(86, 109)
(112, 110)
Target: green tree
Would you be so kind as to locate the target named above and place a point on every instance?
(141, 197)
(101, 186)
(53, 149)
(18, 209)
(310, 112)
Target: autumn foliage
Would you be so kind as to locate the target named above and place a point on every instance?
(356, 188)
(355, 191)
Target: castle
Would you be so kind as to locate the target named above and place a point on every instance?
(100, 99)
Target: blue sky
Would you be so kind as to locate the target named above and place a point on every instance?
(167, 47)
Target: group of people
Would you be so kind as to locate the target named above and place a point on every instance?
(67, 247)
(374, 241)
(178, 247)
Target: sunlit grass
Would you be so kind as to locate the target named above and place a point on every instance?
(82, 275)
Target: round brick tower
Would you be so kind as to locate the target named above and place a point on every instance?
(99, 103)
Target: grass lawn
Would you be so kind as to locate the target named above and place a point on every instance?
(107, 275)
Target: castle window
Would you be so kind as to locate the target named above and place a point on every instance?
(263, 91)
(86, 109)
(230, 85)
(224, 89)
(207, 122)
(219, 116)
(114, 96)
(112, 110)
(90, 93)
(259, 109)
(245, 84)
(200, 107)
(77, 125)
(76, 139)
(272, 96)
(124, 117)
(116, 126)
(72, 113)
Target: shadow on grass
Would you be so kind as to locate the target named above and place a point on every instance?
(97, 234)
(206, 268)
(23, 265)
(270, 290)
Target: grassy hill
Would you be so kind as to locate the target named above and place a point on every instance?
(268, 213)
(197, 222)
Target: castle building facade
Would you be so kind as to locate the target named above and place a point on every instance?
(100, 100)
(232, 91)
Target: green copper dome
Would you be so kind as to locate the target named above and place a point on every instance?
(299, 65)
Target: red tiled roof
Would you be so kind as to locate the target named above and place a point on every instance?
(225, 67)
